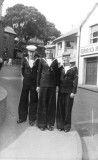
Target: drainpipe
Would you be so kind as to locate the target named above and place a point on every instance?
(78, 52)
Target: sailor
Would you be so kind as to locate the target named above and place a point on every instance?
(29, 96)
(47, 83)
(68, 81)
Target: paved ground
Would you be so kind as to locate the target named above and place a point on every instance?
(84, 118)
(29, 143)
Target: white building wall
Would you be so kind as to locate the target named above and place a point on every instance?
(85, 42)
(81, 67)
(59, 52)
(73, 52)
(85, 32)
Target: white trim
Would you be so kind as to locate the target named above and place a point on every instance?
(33, 61)
(47, 62)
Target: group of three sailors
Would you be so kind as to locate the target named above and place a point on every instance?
(42, 79)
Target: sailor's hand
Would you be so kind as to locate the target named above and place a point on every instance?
(72, 95)
(37, 89)
(57, 89)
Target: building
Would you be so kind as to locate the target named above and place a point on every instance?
(88, 58)
(67, 46)
(9, 35)
(1, 3)
(0, 11)
(1, 37)
(1, 30)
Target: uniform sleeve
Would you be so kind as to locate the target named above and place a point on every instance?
(23, 67)
(57, 75)
(38, 61)
(39, 73)
(75, 81)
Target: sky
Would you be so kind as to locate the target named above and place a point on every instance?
(65, 14)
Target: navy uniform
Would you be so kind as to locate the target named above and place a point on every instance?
(68, 81)
(47, 79)
(29, 72)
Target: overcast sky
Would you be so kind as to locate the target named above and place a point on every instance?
(65, 14)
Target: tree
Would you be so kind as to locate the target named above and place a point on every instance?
(1, 2)
(28, 22)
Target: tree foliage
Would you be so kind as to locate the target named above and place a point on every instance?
(1, 2)
(28, 23)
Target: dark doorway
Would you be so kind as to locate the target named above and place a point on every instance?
(91, 71)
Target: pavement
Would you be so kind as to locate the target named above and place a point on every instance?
(33, 144)
(21, 141)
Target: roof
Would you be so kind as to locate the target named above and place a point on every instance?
(9, 29)
(74, 31)
(50, 46)
(94, 7)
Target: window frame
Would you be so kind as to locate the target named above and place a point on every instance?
(92, 37)
(71, 46)
(59, 45)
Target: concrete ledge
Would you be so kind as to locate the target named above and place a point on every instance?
(3, 104)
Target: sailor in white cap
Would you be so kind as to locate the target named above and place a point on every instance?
(47, 84)
(68, 81)
(29, 72)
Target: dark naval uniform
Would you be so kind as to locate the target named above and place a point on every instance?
(47, 79)
(29, 86)
(67, 84)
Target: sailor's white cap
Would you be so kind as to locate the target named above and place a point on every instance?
(71, 61)
(31, 48)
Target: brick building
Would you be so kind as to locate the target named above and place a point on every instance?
(9, 36)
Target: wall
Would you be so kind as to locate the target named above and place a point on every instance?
(3, 104)
(9, 43)
(59, 52)
(64, 50)
(89, 50)
(1, 38)
(85, 32)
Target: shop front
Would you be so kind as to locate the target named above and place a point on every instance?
(88, 66)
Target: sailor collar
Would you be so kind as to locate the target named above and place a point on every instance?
(52, 60)
(33, 62)
(67, 68)
(72, 67)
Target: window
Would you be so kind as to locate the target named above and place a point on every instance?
(60, 45)
(94, 34)
(69, 44)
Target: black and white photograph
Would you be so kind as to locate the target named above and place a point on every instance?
(49, 80)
